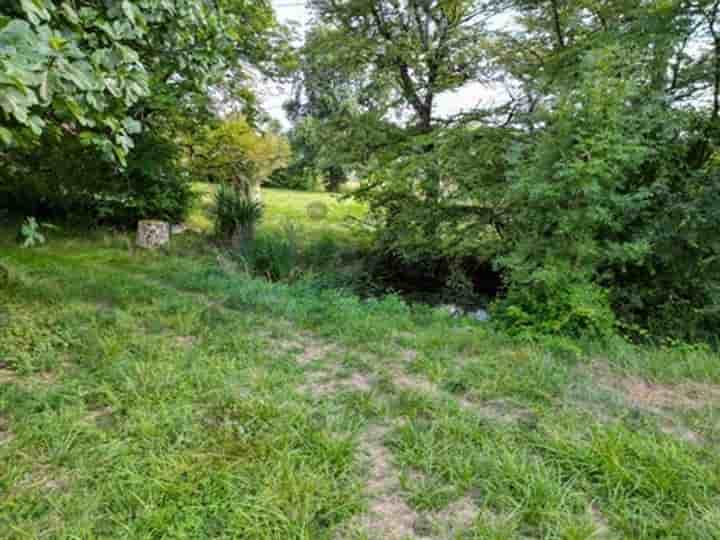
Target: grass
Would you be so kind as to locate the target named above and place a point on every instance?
(285, 206)
(167, 395)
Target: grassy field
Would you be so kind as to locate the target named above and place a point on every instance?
(170, 395)
(283, 207)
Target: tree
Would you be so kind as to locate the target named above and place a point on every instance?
(88, 71)
(239, 158)
(430, 182)
(418, 48)
(590, 187)
(400, 57)
(616, 182)
(235, 152)
(324, 91)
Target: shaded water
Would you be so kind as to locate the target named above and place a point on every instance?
(428, 282)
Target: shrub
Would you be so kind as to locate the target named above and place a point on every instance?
(556, 301)
(235, 214)
(317, 210)
(61, 178)
(613, 195)
(29, 234)
(233, 150)
(295, 177)
(4, 275)
(283, 256)
(275, 256)
(151, 187)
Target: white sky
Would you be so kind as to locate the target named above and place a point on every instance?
(275, 95)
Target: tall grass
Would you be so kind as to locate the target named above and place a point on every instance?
(289, 255)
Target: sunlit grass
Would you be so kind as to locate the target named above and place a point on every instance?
(283, 207)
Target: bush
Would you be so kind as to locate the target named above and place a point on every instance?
(295, 178)
(317, 210)
(61, 178)
(276, 257)
(29, 234)
(4, 275)
(614, 195)
(235, 214)
(153, 186)
(233, 150)
(282, 256)
(555, 301)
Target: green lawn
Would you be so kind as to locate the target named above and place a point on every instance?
(165, 395)
(284, 207)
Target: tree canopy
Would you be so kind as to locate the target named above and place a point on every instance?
(586, 180)
(98, 69)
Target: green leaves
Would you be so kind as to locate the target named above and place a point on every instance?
(71, 15)
(80, 74)
(73, 66)
(6, 136)
(16, 103)
(131, 126)
(29, 51)
(36, 10)
(30, 234)
(15, 33)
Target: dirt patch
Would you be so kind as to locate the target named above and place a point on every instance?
(319, 389)
(185, 342)
(307, 349)
(600, 522)
(670, 427)
(45, 377)
(389, 516)
(325, 383)
(98, 416)
(283, 345)
(315, 351)
(609, 398)
(406, 381)
(496, 410)
(104, 304)
(359, 382)
(499, 410)
(652, 396)
(458, 516)
(8, 376)
(685, 395)
(44, 478)
(6, 435)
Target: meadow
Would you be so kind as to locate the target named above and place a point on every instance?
(173, 394)
(284, 207)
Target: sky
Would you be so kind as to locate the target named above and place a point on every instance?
(274, 95)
